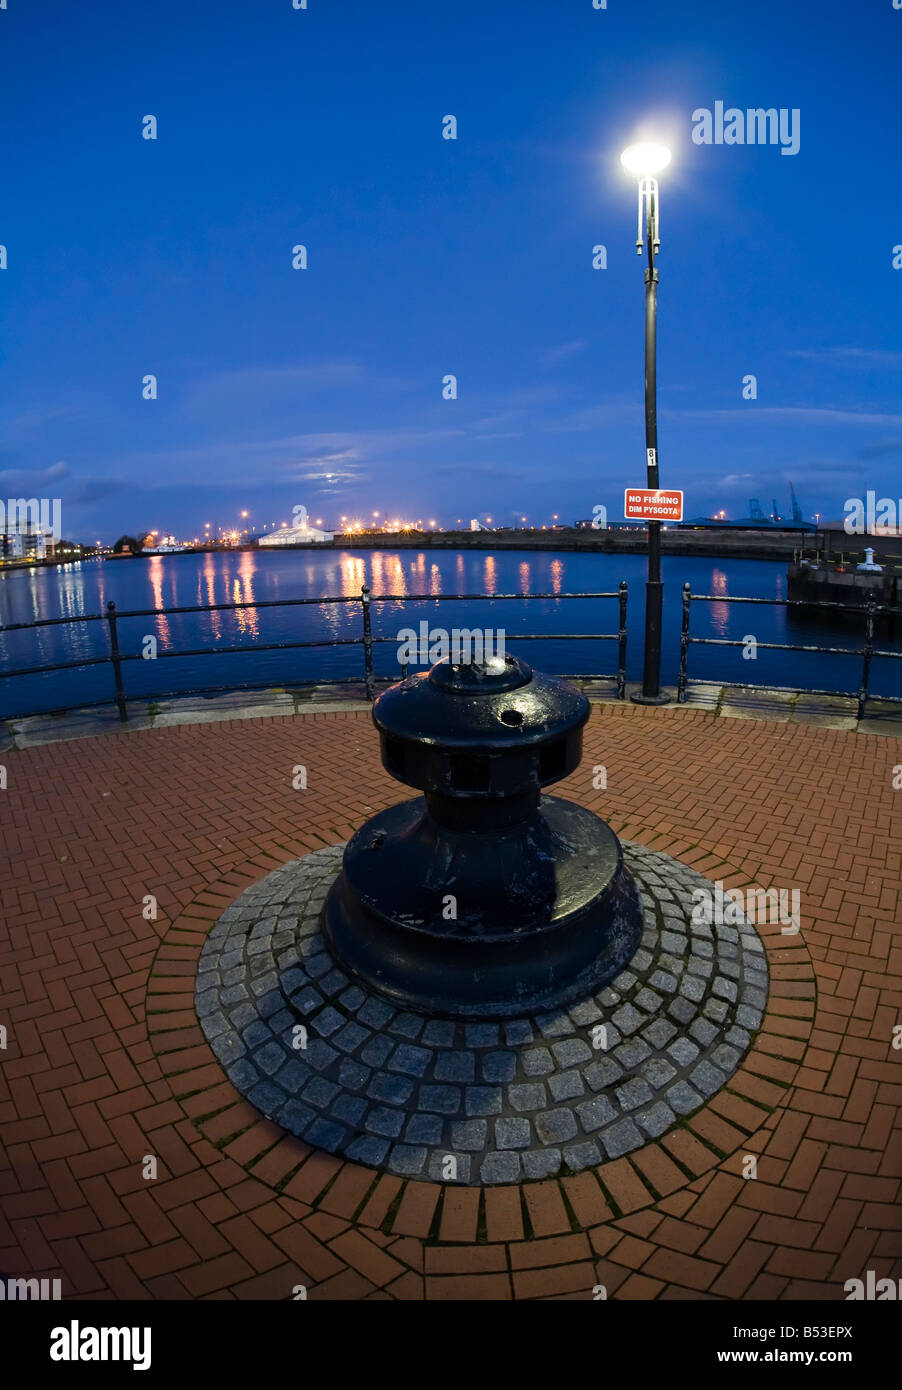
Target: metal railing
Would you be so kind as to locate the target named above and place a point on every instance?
(367, 639)
(869, 611)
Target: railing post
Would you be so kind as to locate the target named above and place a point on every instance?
(621, 643)
(684, 644)
(116, 660)
(367, 643)
(866, 656)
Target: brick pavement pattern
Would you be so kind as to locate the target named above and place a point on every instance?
(105, 1064)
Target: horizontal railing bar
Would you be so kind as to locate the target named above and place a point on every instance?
(342, 598)
(234, 605)
(561, 636)
(536, 637)
(292, 646)
(51, 622)
(774, 646)
(876, 608)
(407, 598)
(246, 647)
(332, 642)
(58, 666)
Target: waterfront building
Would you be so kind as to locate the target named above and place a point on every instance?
(31, 544)
(295, 535)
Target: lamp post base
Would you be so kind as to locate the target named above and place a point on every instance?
(662, 698)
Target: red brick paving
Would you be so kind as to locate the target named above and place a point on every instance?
(105, 1064)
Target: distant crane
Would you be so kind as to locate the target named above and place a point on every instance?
(756, 514)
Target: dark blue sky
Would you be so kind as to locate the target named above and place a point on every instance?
(428, 257)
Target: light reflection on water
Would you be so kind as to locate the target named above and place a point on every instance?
(164, 632)
(720, 612)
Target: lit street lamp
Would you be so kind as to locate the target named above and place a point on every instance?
(646, 160)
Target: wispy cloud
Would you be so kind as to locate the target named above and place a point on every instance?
(788, 413)
(476, 471)
(327, 458)
(269, 386)
(876, 451)
(34, 477)
(864, 357)
(595, 417)
(564, 351)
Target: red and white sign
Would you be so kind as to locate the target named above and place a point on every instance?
(648, 504)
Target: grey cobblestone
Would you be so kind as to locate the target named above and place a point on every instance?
(584, 1155)
(621, 1138)
(538, 1061)
(530, 1096)
(566, 1085)
(455, 1066)
(500, 1167)
(469, 1135)
(593, 1114)
(571, 1052)
(541, 1163)
(553, 1126)
(656, 1120)
(512, 1133)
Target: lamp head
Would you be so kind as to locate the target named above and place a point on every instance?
(645, 159)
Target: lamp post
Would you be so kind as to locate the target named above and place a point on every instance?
(646, 160)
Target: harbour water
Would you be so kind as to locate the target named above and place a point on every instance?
(419, 580)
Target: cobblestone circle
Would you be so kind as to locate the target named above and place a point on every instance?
(507, 1101)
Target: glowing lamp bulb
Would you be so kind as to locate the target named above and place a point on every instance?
(645, 159)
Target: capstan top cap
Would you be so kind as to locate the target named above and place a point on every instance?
(492, 705)
(490, 677)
